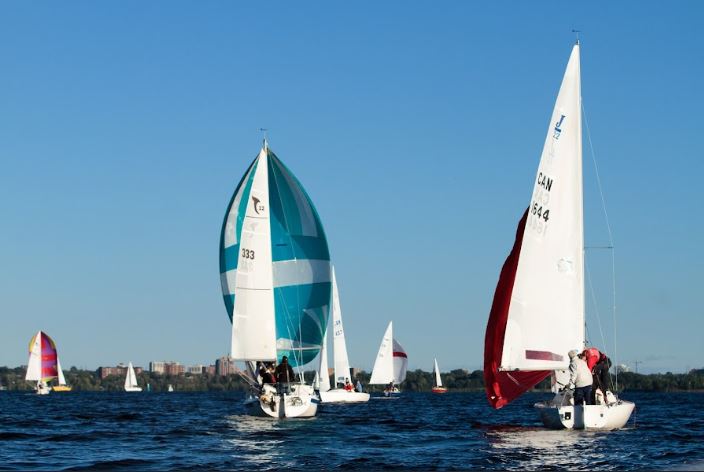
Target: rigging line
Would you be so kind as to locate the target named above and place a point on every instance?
(287, 228)
(611, 239)
(594, 302)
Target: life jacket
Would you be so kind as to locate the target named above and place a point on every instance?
(591, 356)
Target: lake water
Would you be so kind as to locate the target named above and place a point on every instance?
(73, 431)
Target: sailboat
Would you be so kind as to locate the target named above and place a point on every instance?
(62, 386)
(342, 365)
(390, 365)
(537, 315)
(275, 275)
(437, 388)
(170, 388)
(131, 380)
(42, 366)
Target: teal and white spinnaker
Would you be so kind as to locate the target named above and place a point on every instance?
(274, 266)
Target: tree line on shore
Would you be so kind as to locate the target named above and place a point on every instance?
(458, 380)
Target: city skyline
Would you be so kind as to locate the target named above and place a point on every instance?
(416, 132)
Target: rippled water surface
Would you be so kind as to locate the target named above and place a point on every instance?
(75, 431)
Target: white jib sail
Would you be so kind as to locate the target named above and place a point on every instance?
(253, 324)
(400, 362)
(438, 380)
(546, 315)
(34, 364)
(130, 378)
(62, 379)
(383, 371)
(339, 348)
(324, 378)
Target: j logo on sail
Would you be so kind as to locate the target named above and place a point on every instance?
(558, 128)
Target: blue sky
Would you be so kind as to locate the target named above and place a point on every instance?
(415, 128)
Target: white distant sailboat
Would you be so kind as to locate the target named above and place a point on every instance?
(391, 363)
(537, 315)
(437, 388)
(170, 388)
(131, 380)
(276, 282)
(346, 393)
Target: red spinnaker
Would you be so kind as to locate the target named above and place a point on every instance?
(503, 387)
(49, 368)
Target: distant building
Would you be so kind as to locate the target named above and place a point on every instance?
(119, 370)
(174, 368)
(156, 367)
(225, 366)
(167, 368)
(197, 369)
(210, 370)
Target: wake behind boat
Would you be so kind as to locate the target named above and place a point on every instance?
(276, 282)
(537, 316)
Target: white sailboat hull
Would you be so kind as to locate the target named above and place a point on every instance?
(559, 414)
(133, 389)
(340, 395)
(300, 403)
(42, 389)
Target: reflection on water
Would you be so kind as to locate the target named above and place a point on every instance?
(540, 448)
(260, 441)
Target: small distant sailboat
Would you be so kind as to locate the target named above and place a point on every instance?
(42, 366)
(347, 393)
(390, 365)
(131, 380)
(170, 389)
(438, 388)
(537, 315)
(61, 387)
(276, 282)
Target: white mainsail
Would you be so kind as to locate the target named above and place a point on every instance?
(253, 323)
(323, 377)
(34, 365)
(130, 378)
(546, 314)
(438, 380)
(339, 348)
(383, 371)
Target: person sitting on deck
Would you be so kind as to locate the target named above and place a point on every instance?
(580, 378)
(348, 385)
(284, 374)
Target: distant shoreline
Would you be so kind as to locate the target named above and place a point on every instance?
(459, 380)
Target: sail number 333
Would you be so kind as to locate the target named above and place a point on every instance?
(247, 253)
